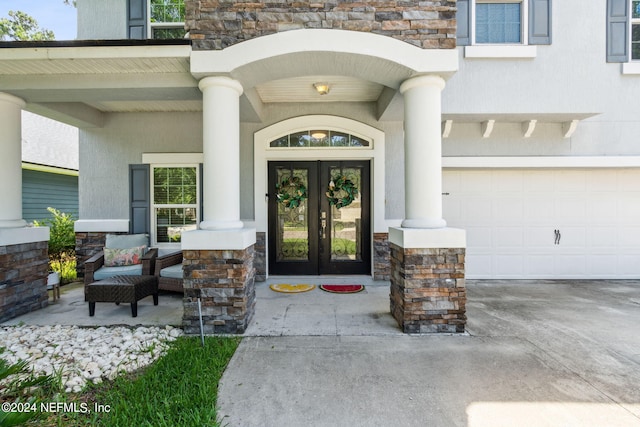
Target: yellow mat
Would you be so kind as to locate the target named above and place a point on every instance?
(288, 288)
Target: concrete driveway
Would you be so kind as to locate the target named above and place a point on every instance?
(537, 353)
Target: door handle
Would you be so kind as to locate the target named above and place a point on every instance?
(323, 225)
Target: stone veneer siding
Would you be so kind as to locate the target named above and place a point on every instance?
(23, 278)
(224, 280)
(214, 25)
(381, 255)
(260, 257)
(428, 292)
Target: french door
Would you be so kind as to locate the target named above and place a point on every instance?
(311, 233)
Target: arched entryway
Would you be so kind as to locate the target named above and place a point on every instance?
(269, 80)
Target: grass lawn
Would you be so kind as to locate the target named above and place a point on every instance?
(180, 389)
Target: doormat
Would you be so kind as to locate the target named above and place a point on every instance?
(291, 289)
(342, 289)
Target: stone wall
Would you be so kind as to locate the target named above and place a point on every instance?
(225, 283)
(260, 257)
(428, 292)
(214, 25)
(381, 255)
(23, 278)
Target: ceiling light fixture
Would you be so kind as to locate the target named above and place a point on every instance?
(321, 88)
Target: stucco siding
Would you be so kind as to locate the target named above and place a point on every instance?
(49, 142)
(569, 76)
(102, 20)
(106, 153)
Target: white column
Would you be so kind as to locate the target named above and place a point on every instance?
(423, 152)
(11, 161)
(221, 150)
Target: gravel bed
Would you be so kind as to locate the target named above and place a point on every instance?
(83, 355)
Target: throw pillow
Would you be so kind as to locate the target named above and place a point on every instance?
(122, 257)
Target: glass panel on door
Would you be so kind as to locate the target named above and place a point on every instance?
(346, 246)
(292, 225)
(346, 222)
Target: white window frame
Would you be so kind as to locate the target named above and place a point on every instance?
(524, 24)
(520, 50)
(154, 206)
(632, 21)
(159, 25)
(632, 66)
(321, 147)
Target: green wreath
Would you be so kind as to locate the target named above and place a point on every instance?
(341, 192)
(291, 192)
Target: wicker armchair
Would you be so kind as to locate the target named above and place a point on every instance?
(169, 272)
(95, 270)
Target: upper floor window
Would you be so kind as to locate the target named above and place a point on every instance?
(166, 19)
(499, 22)
(155, 19)
(623, 33)
(503, 22)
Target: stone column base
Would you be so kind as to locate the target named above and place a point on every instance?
(24, 263)
(224, 280)
(428, 293)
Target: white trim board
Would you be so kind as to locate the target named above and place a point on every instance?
(101, 225)
(172, 158)
(542, 162)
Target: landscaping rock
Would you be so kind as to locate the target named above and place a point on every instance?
(82, 355)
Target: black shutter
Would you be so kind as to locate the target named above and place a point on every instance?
(617, 30)
(139, 199)
(137, 19)
(539, 21)
(463, 22)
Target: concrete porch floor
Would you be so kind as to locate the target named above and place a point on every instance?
(72, 309)
(314, 313)
(320, 313)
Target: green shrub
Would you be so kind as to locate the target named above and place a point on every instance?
(62, 242)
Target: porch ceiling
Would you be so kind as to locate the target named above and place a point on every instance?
(76, 85)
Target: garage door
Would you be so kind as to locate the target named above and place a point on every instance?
(547, 223)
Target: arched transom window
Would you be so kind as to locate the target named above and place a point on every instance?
(319, 138)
